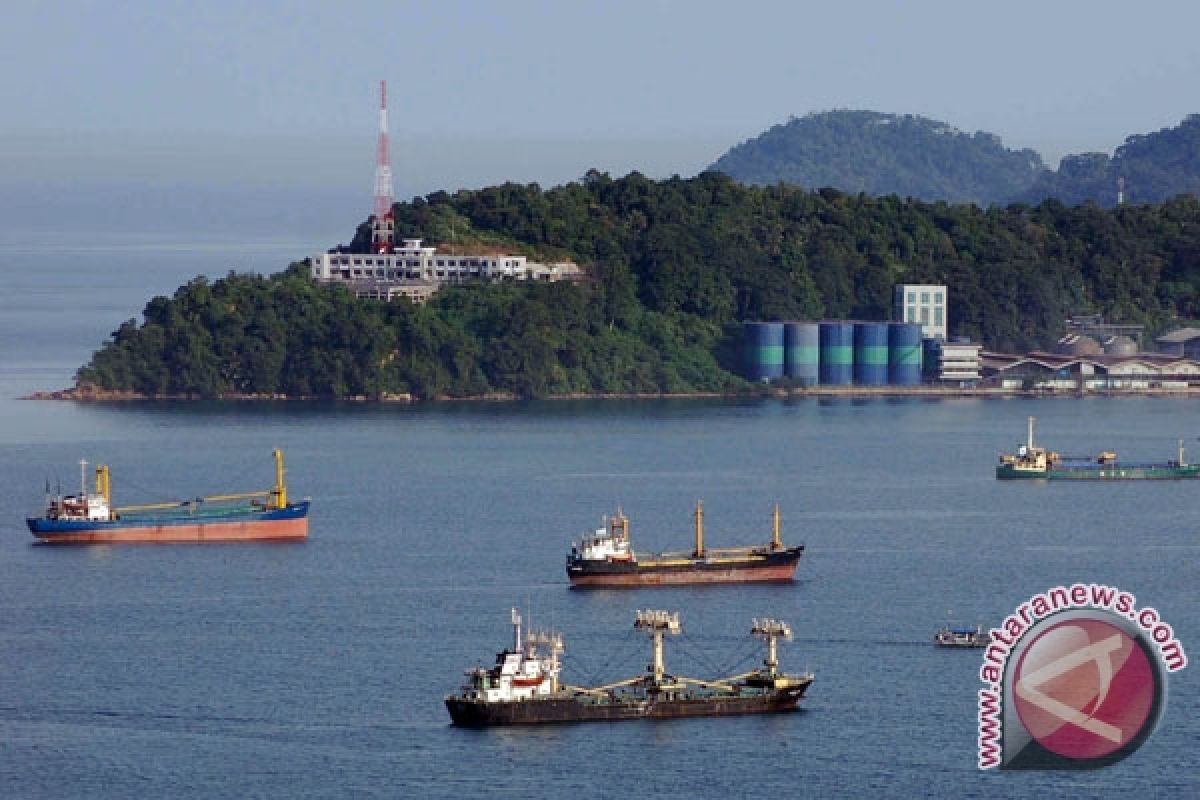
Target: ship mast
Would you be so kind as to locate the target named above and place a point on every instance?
(280, 492)
(699, 514)
(657, 623)
(618, 526)
(1029, 442)
(83, 480)
(771, 630)
(104, 484)
(776, 543)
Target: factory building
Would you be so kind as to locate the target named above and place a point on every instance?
(1060, 372)
(924, 305)
(1184, 343)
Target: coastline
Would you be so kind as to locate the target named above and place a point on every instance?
(94, 394)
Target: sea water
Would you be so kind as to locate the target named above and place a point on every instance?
(318, 669)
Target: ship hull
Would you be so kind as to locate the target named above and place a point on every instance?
(287, 523)
(1102, 472)
(770, 567)
(478, 714)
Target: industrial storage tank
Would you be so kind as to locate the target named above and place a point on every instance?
(837, 353)
(802, 347)
(764, 350)
(1120, 346)
(904, 354)
(871, 353)
(1074, 344)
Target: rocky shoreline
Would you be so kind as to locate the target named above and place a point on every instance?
(89, 393)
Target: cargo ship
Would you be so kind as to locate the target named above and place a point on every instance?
(948, 636)
(523, 687)
(606, 559)
(1031, 461)
(91, 518)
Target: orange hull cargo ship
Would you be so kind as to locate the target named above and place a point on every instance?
(606, 559)
(90, 518)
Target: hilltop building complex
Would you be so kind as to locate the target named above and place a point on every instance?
(413, 270)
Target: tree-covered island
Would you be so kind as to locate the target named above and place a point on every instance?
(673, 266)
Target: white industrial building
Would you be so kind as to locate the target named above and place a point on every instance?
(924, 304)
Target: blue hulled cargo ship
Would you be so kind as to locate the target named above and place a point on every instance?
(90, 517)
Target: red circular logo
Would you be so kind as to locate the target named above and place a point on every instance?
(1084, 688)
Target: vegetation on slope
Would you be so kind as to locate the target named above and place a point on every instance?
(1155, 167)
(882, 154)
(674, 266)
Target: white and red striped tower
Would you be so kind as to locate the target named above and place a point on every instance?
(384, 225)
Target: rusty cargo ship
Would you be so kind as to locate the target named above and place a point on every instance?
(607, 559)
(91, 518)
(523, 686)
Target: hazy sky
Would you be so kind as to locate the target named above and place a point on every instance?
(176, 103)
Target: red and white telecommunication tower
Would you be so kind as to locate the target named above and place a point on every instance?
(384, 225)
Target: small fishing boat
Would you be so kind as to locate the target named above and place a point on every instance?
(948, 636)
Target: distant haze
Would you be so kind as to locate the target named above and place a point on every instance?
(264, 113)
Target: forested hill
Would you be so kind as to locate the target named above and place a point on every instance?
(675, 265)
(882, 154)
(1154, 166)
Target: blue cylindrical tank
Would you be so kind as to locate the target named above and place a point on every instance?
(802, 349)
(837, 353)
(764, 350)
(871, 353)
(904, 354)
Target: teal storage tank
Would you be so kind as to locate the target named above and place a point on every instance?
(904, 354)
(837, 353)
(871, 353)
(764, 350)
(802, 350)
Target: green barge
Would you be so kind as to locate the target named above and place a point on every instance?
(1030, 461)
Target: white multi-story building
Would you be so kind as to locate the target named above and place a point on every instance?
(958, 362)
(417, 271)
(413, 261)
(924, 304)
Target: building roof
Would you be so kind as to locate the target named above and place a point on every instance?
(1002, 362)
(1179, 336)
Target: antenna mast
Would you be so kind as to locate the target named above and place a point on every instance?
(383, 229)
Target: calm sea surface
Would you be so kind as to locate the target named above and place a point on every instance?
(318, 669)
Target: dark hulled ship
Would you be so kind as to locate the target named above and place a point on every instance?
(523, 687)
(607, 559)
